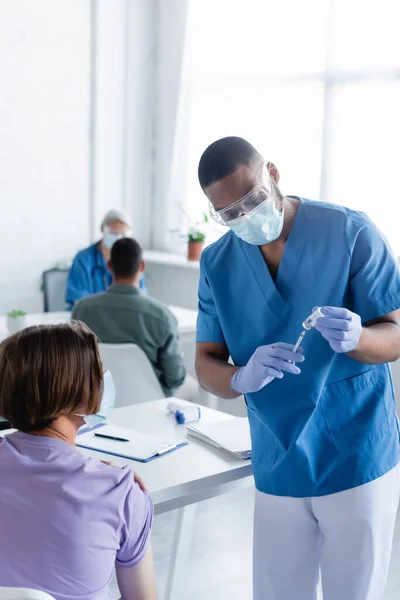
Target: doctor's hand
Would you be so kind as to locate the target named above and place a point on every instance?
(266, 364)
(340, 327)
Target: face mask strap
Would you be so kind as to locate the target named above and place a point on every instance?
(95, 418)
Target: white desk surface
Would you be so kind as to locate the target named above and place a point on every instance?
(186, 319)
(187, 475)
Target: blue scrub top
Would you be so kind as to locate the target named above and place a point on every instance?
(334, 426)
(89, 275)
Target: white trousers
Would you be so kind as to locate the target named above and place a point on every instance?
(345, 537)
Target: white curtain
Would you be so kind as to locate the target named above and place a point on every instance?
(314, 85)
(171, 124)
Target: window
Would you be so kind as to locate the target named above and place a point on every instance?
(314, 85)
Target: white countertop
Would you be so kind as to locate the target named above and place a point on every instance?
(186, 319)
(166, 258)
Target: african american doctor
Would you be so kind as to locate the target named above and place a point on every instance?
(325, 435)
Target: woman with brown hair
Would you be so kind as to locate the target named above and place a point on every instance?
(65, 520)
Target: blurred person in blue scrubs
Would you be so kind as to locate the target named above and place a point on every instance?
(325, 435)
(89, 273)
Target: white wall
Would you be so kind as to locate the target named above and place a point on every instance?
(173, 284)
(44, 70)
(49, 209)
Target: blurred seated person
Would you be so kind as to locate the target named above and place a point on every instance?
(123, 315)
(89, 274)
(65, 520)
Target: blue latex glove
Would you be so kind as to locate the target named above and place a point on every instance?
(266, 363)
(340, 327)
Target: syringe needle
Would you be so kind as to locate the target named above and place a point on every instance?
(297, 344)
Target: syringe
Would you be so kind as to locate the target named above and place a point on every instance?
(308, 324)
(300, 339)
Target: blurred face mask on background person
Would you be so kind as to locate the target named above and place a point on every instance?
(107, 402)
(254, 218)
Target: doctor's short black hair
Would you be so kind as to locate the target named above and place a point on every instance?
(126, 257)
(223, 157)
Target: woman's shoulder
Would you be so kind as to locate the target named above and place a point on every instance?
(116, 488)
(121, 478)
(98, 483)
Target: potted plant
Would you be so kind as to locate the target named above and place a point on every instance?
(195, 236)
(196, 239)
(16, 320)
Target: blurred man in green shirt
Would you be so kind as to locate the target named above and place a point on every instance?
(122, 315)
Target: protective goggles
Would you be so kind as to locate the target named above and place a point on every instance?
(119, 234)
(245, 204)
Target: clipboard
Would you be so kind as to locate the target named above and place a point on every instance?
(140, 447)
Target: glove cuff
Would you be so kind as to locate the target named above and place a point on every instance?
(236, 381)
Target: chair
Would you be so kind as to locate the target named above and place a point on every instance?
(8, 593)
(134, 377)
(54, 289)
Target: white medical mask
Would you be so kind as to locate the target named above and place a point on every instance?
(109, 239)
(106, 405)
(260, 226)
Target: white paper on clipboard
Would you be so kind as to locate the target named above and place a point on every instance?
(141, 446)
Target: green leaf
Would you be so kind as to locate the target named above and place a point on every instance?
(197, 236)
(16, 313)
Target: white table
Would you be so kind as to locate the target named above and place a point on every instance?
(182, 478)
(186, 320)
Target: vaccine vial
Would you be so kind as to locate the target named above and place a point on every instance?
(309, 323)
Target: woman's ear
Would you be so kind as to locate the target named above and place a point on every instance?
(273, 171)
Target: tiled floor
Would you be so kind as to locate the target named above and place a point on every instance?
(220, 555)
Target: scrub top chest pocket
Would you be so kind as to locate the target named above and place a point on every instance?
(359, 409)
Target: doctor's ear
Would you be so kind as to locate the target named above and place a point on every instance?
(109, 266)
(142, 266)
(273, 171)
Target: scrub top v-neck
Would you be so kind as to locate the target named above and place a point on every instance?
(277, 290)
(334, 426)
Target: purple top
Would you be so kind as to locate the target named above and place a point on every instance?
(66, 519)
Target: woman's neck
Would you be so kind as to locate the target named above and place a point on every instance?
(63, 428)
